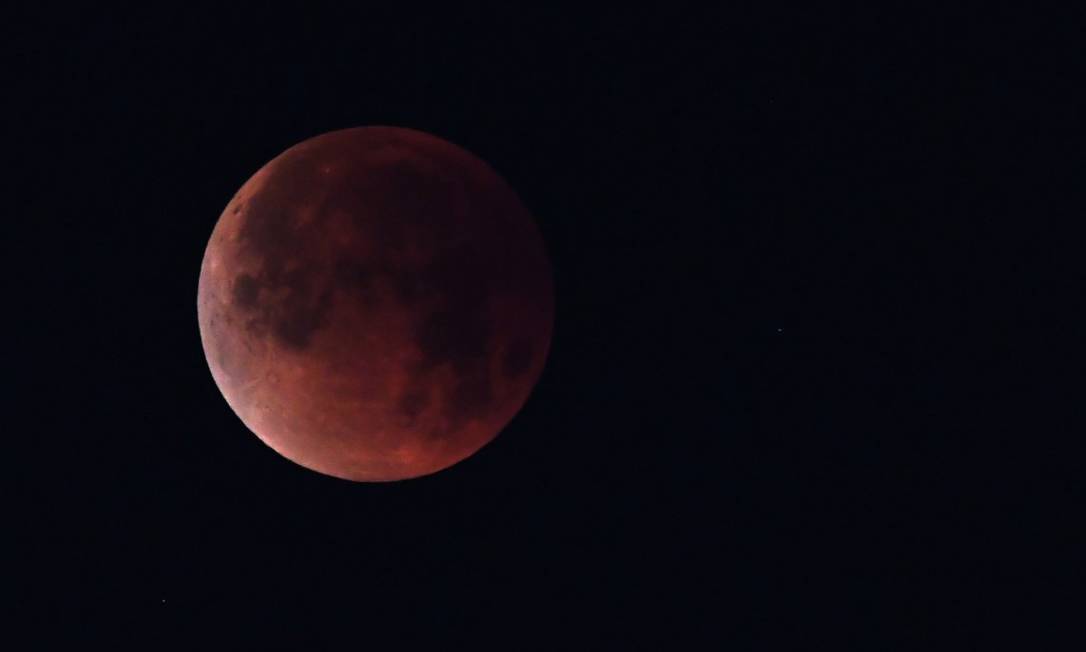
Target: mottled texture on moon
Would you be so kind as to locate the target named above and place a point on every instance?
(375, 304)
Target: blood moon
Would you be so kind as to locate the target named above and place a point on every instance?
(375, 304)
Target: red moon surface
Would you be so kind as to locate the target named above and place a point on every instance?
(375, 304)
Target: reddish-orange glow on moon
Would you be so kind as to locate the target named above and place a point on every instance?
(375, 304)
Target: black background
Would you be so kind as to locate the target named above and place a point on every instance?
(806, 378)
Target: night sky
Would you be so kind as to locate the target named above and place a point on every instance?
(806, 374)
